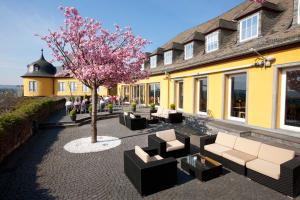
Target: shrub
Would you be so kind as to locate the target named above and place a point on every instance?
(72, 113)
(110, 106)
(25, 112)
(172, 106)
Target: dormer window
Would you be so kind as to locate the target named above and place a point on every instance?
(298, 11)
(212, 42)
(153, 62)
(168, 56)
(188, 50)
(35, 68)
(249, 27)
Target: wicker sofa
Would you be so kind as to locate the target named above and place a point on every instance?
(133, 122)
(149, 172)
(170, 143)
(171, 116)
(274, 167)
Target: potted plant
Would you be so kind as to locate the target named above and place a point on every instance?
(110, 108)
(152, 108)
(172, 106)
(90, 109)
(72, 115)
(133, 107)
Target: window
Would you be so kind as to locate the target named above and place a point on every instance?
(290, 100)
(153, 62)
(237, 97)
(298, 11)
(188, 50)
(135, 93)
(142, 66)
(179, 96)
(125, 93)
(142, 94)
(99, 89)
(168, 56)
(35, 67)
(249, 28)
(202, 96)
(85, 88)
(73, 86)
(32, 86)
(212, 42)
(61, 86)
(154, 93)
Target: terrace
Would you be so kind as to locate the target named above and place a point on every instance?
(43, 169)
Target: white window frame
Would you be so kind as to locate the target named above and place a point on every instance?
(257, 28)
(142, 66)
(298, 11)
(153, 61)
(168, 56)
(73, 86)
(210, 38)
(85, 88)
(61, 86)
(189, 47)
(32, 86)
(229, 99)
(283, 102)
(198, 102)
(154, 83)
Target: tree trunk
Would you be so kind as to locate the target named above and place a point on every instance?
(94, 114)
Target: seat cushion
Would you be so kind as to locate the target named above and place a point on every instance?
(156, 157)
(144, 156)
(238, 157)
(159, 110)
(166, 112)
(247, 146)
(226, 140)
(216, 148)
(167, 135)
(174, 145)
(274, 154)
(264, 167)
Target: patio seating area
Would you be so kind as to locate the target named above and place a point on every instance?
(42, 169)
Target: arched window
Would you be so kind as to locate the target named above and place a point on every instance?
(36, 67)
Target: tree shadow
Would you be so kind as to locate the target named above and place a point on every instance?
(19, 172)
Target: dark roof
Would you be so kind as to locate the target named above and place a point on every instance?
(279, 34)
(45, 69)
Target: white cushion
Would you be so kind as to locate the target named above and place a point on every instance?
(250, 147)
(238, 157)
(264, 167)
(172, 111)
(142, 154)
(226, 139)
(166, 112)
(132, 116)
(174, 145)
(274, 154)
(167, 135)
(156, 157)
(155, 114)
(216, 148)
(125, 113)
(159, 110)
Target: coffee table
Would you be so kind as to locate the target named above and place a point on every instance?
(203, 168)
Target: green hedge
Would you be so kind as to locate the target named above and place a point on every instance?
(27, 111)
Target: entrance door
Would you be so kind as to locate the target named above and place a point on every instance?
(290, 99)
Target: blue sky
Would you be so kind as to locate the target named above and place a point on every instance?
(155, 20)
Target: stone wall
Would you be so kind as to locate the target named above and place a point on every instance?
(20, 133)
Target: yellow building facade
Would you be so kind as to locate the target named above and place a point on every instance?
(231, 74)
(41, 80)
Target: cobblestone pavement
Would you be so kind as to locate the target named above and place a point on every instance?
(42, 169)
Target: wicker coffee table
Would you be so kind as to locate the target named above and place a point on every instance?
(203, 168)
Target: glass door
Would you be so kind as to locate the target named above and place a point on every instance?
(179, 94)
(142, 94)
(202, 96)
(290, 100)
(237, 88)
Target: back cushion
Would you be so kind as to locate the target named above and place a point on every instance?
(166, 111)
(225, 139)
(167, 135)
(132, 116)
(125, 113)
(141, 154)
(274, 154)
(247, 146)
